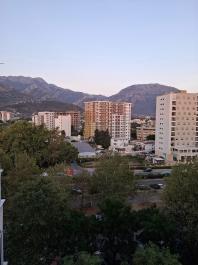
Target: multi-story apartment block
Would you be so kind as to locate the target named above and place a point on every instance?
(6, 115)
(143, 132)
(177, 126)
(75, 118)
(103, 115)
(52, 120)
(46, 118)
(63, 123)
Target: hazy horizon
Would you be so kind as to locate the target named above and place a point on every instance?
(101, 47)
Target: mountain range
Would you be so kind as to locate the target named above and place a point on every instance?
(26, 94)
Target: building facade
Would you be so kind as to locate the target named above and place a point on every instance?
(63, 123)
(75, 118)
(52, 120)
(177, 126)
(107, 115)
(45, 118)
(6, 116)
(143, 132)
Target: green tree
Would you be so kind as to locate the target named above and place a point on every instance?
(156, 226)
(23, 137)
(112, 178)
(153, 255)
(116, 231)
(82, 181)
(82, 258)
(23, 170)
(133, 130)
(58, 150)
(74, 132)
(151, 137)
(181, 199)
(47, 147)
(35, 223)
(102, 138)
(5, 161)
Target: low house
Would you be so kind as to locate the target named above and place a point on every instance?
(149, 146)
(84, 150)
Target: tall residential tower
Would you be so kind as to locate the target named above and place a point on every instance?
(107, 115)
(177, 126)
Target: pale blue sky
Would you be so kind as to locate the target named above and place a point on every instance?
(101, 46)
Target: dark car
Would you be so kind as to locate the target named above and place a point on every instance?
(142, 187)
(166, 174)
(76, 190)
(155, 186)
(148, 169)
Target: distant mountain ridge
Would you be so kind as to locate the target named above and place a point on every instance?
(30, 107)
(38, 89)
(20, 89)
(143, 96)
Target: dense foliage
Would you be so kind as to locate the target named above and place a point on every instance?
(113, 178)
(153, 255)
(181, 199)
(82, 258)
(46, 147)
(45, 224)
(102, 138)
(150, 137)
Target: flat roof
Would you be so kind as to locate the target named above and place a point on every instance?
(83, 147)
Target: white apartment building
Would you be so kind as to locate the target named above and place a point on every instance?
(44, 118)
(75, 118)
(177, 126)
(63, 123)
(6, 116)
(52, 120)
(120, 127)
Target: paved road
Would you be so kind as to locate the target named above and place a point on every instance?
(146, 198)
(160, 171)
(148, 182)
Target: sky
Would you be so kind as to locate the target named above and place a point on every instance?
(101, 46)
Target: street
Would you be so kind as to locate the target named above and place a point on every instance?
(155, 172)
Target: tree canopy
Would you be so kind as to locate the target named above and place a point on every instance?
(150, 137)
(112, 178)
(102, 138)
(46, 147)
(34, 222)
(181, 199)
(82, 258)
(153, 255)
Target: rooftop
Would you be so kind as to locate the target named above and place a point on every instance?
(83, 147)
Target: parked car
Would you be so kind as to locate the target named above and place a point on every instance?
(76, 190)
(155, 186)
(166, 174)
(44, 174)
(162, 186)
(148, 169)
(142, 187)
